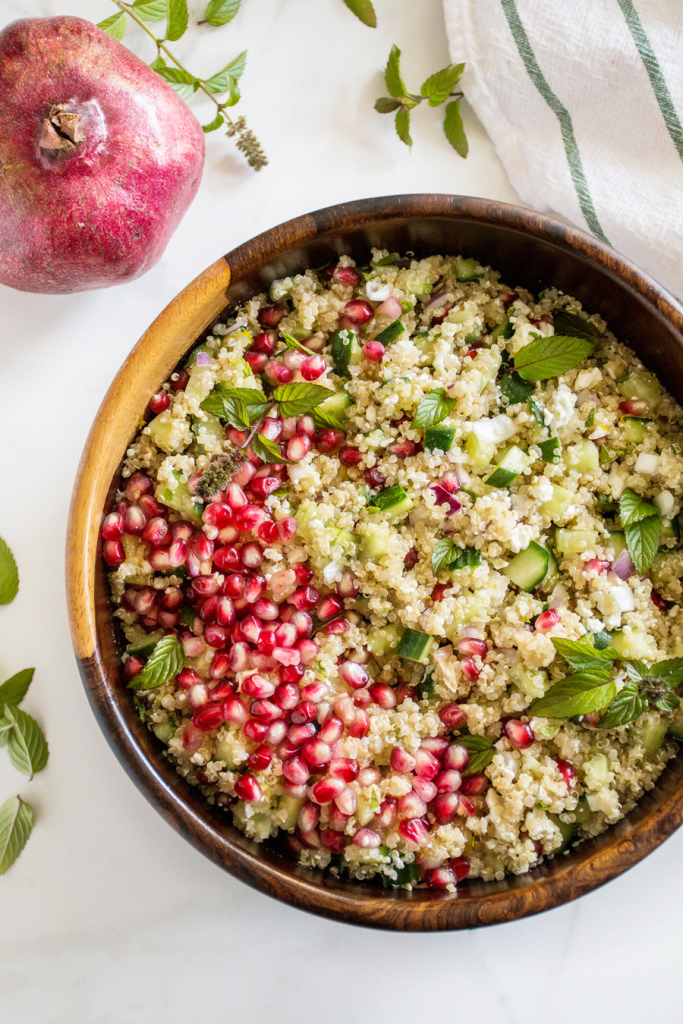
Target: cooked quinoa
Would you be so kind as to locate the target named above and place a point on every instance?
(356, 647)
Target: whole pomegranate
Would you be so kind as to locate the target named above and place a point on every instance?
(99, 158)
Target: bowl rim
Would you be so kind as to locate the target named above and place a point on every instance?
(186, 317)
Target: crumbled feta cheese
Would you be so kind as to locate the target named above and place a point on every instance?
(588, 378)
(495, 430)
(561, 405)
(646, 463)
(614, 601)
(664, 502)
(542, 490)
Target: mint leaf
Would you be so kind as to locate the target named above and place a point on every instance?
(341, 346)
(633, 508)
(291, 343)
(177, 19)
(392, 74)
(642, 541)
(581, 654)
(213, 125)
(226, 79)
(670, 672)
(454, 129)
(151, 10)
(298, 399)
(266, 449)
(14, 690)
(438, 87)
(481, 752)
(443, 554)
(26, 746)
(544, 358)
(468, 558)
(234, 403)
(9, 575)
(182, 81)
(433, 408)
(402, 122)
(515, 388)
(589, 690)
(601, 641)
(322, 418)
(666, 702)
(16, 822)
(384, 105)
(636, 670)
(628, 705)
(115, 26)
(364, 10)
(220, 12)
(573, 326)
(164, 664)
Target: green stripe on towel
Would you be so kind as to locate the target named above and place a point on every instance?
(654, 73)
(563, 116)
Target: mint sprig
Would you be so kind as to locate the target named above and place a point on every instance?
(581, 654)
(363, 10)
(641, 524)
(481, 751)
(544, 358)
(589, 690)
(266, 449)
(26, 745)
(434, 407)
(222, 88)
(16, 822)
(574, 326)
(628, 705)
(9, 574)
(648, 686)
(299, 398)
(447, 555)
(163, 664)
(435, 90)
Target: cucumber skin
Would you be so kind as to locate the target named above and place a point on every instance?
(533, 558)
(415, 646)
(439, 437)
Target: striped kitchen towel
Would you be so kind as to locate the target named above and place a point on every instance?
(583, 100)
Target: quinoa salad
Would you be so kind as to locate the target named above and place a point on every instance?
(396, 557)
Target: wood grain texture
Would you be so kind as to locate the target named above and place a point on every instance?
(530, 250)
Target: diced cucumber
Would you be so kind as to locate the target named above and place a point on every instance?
(556, 506)
(376, 438)
(415, 646)
(336, 404)
(529, 567)
(480, 452)
(373, 545)
(617, 542)
(200, 383)
(574, 542)
(487, 362)
(550, 450)
(583, 457)
(424, 343)
(140, 642)
(192, 358)
(504, 330)
(393, 502)
(230, 750)
(440, 438)
(634, 643)
(166, 434)
(209, 432)
(582, 811)
(180, 499)
(380, 641)
(635, 429)
(528, 681)
(391, 333)
(676, 725)
(553, 567)
(651, 732)
(468, 270)
(568, 831)
(164, 731)
(509, 466)
(670, 530)
(288, 811)
(596, 771)
(643, 385)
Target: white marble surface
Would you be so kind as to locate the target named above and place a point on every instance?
(109, 917)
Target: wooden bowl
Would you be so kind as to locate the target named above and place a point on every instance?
(529, 250)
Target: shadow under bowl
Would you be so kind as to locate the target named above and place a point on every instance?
(529, 250)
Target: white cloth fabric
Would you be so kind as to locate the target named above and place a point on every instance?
(583, 100)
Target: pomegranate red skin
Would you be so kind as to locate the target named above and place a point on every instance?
(102, 210)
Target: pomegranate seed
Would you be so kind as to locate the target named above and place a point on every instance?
(348, 276)
(238, 437)
(250, 517)
(270, 316)
(456, 757)
(248, 789)
(470, 671)
(368, 776)
(303, 574)
(112, 527)
(151, 507)
(257, 686)
(138, 484)
(333, 841)
(265, 709)
(260, 759)
(227, 558)
(286, 696)
(425, 789)
(316, 752)
(278, 373)
(113, 552)
(634, 407)
(362, 698)
(445, 807)
(353, 674)
(234, 710)
(566, 770)
(331, 730)
(208, 718)
(383, 694)
(216, 636)
(266, 342)
(309, 815)
(659, 602)
(251, 555)
(597, 565)
(360, 726)
(315, 692)
(439, 592)
(327, 789)
(411, 559)
(144, 600)
(426, 764)
(158, 560)
(264, 486)
(439, 878)
(304, 598)
(547, 620)
(290, 673)
(286, 529)
(358, 311)
(367, 839)
(254, 588)
(277, 731)
(134, 520)
(412, 804)
(452, 716)
(414, 831)
(304, 712)
(350, 456)
(474, 785)
(159, 402)
(254, 730)
(401, 761)
(460, 866)
(387, 813)
(298, 734)
(437, 745)
(471, 647)
(328, 608)
(296, 770)
(298, 447)
(225, 611)
(448, 781)
(328, 440)
(466, 807)
(403, 449)
(194, 646)
(374, 351)
(313, 367)
(192, 737)
(302, 621)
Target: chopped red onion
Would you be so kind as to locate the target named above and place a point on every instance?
(623, 566)
(390, 308)
(436, 301)
(238, 325)
(203, 359)
(443, 497)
